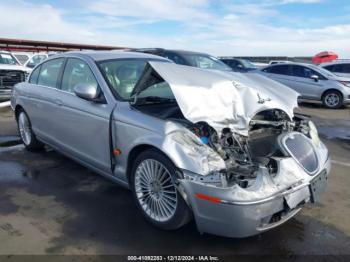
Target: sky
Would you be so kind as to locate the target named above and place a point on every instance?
(218, 27)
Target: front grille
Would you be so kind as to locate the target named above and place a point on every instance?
(302, 150)
(8, 78)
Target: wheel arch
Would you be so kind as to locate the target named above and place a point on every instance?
(332, 89)
(137, 150)
(18, 108)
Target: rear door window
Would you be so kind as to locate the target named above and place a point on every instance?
(49, 72)
(278, 69)
(34, 75)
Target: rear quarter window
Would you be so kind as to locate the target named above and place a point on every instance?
(34, 75)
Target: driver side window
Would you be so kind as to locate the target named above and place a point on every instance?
(305, 72)
(76, 72)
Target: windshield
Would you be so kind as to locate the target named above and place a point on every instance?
(7, 59)
(322, 71)
(206, 62)
(248, 65)
(122, 76)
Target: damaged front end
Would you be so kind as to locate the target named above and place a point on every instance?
(247, 163)
(265, 177)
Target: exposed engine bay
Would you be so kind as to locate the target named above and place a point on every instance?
(242, 155)
(238, 130)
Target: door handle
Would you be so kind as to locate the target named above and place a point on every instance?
(58, 102)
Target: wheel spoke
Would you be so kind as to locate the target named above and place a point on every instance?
(155, 190)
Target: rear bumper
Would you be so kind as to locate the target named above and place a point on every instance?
(232, 218)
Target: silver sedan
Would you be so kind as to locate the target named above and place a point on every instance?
(312, 82)
(223, 148)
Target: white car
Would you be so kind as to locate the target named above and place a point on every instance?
(11, 73)
(340, 68)
(22, 57)
(36, 59)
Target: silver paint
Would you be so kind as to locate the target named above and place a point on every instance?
(83, 130)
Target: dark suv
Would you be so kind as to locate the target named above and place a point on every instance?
(188, 58)
(239, 65)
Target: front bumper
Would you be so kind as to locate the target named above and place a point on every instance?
(237, 218)
(346, 100)
(5, 94)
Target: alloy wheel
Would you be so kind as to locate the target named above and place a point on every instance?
(155, 190)
(24, 128)
(332, 100)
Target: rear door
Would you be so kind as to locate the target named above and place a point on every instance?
(304, 84)
(41, 100)
(83, 126)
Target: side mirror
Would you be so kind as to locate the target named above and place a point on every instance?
(314, 77)
(87, 92)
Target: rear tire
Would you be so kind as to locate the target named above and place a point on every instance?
(153, 184)
(332, 99)
(26, 133)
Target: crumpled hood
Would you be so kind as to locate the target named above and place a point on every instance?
(224, 99)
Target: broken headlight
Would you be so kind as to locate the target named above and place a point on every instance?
(313, 133)
(199, 152)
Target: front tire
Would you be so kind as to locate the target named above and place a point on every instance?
(332, 99)
(26, 133)
(153, 184)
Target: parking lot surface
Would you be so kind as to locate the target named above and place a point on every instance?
(52, 205)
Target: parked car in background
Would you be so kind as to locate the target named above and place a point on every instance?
(188, 142)
(36, 59)
(259, 64)
(273, 62)
(189, 58)
(22, 57)
(338, 67)
(312, 82)
(239, 65)
(11, 73)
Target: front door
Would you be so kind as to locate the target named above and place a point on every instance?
(304, 84)
(83, 128)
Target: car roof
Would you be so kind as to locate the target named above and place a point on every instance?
(335, 62)
(159, 50)
(107, 55)
(231, 58)
(291, 63)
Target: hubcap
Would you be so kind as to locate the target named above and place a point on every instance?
(332, 100)
(24, 128)
(155, 190)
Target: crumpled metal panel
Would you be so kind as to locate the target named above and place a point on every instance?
(224, 99)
